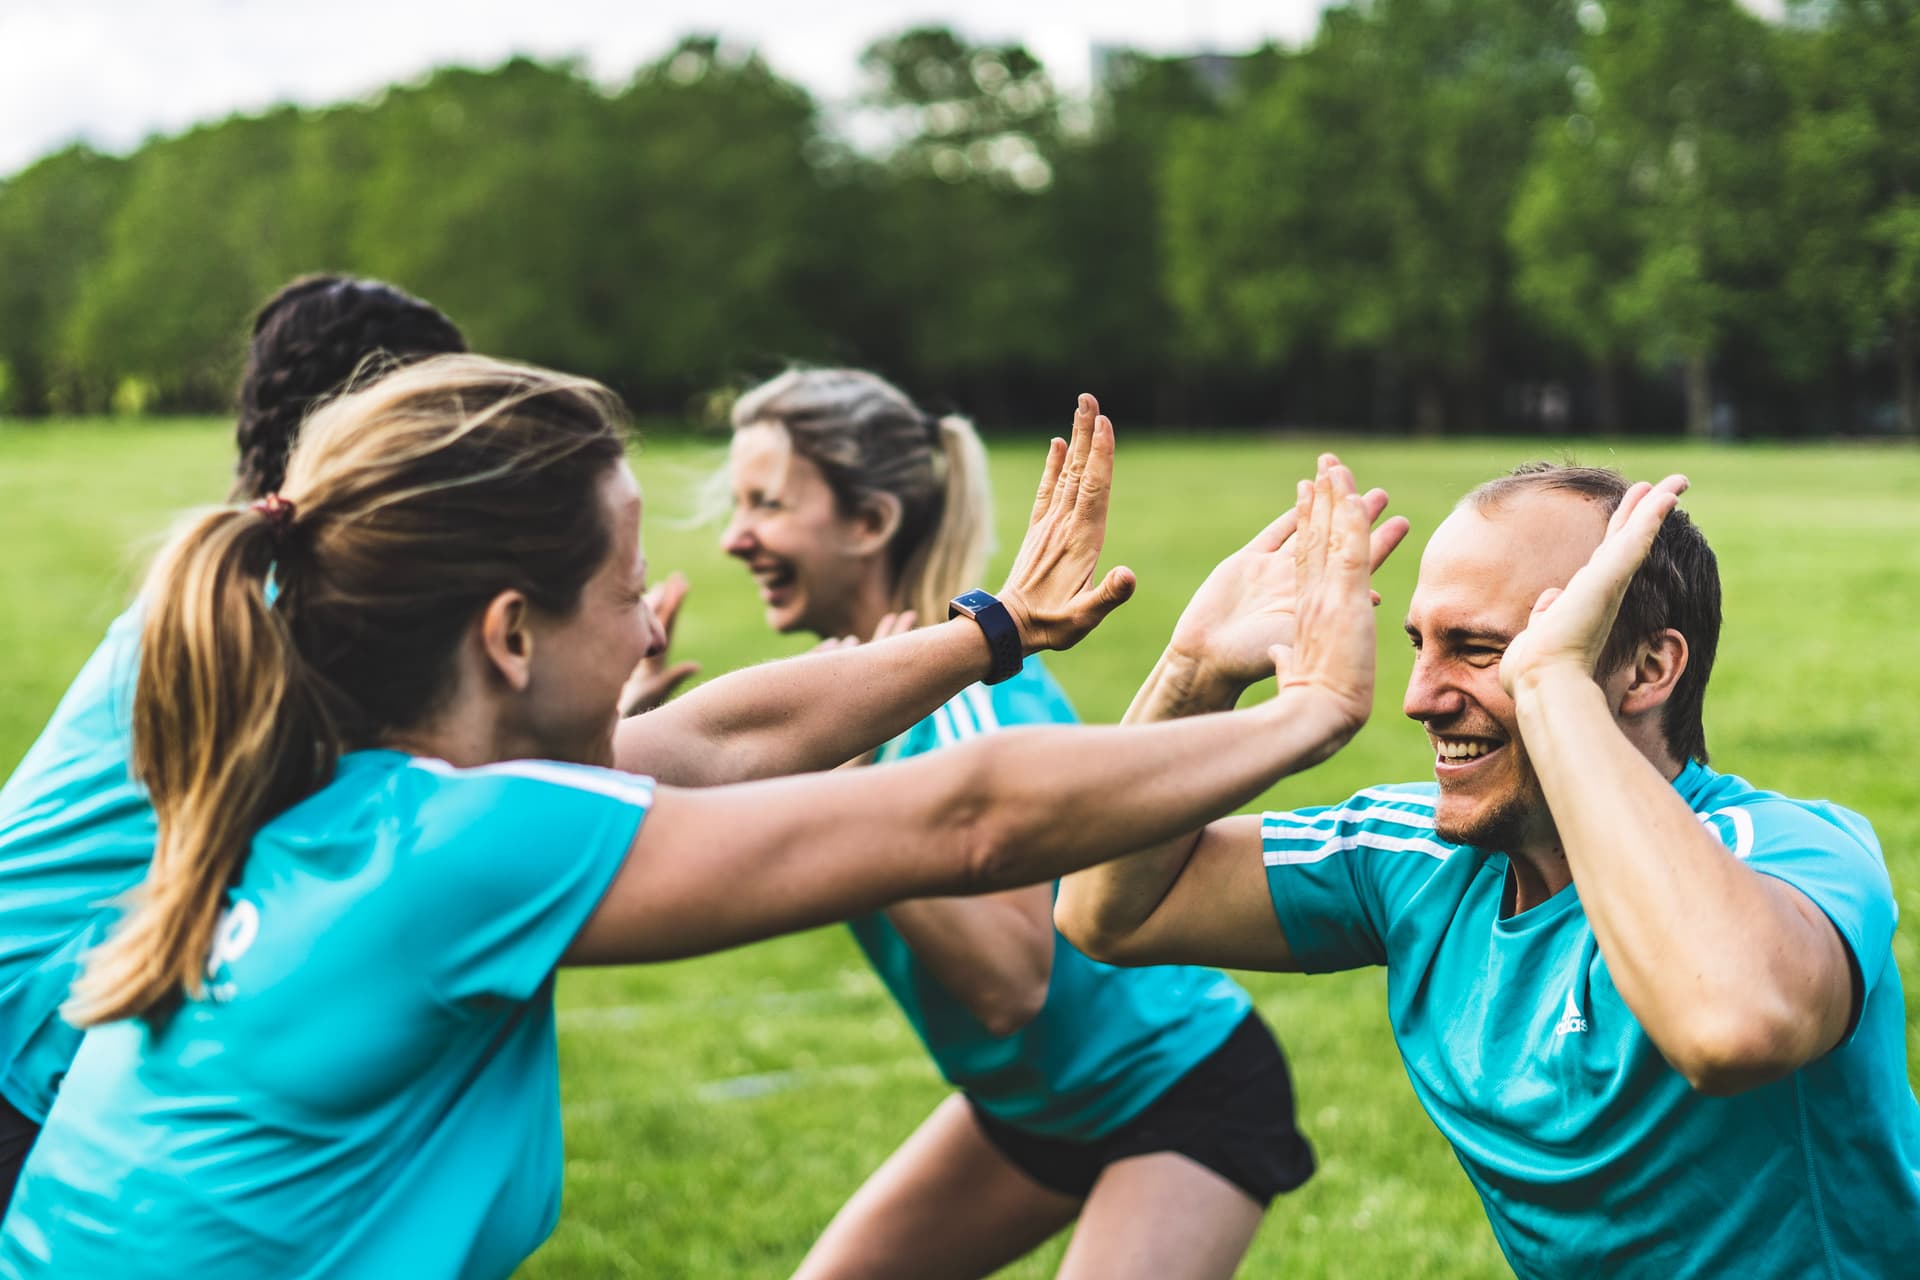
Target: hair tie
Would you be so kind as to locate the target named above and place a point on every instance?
(279, 513)
(933, 427)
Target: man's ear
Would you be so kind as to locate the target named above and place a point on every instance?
(506, 637)
(1653, 673)
(875, 522)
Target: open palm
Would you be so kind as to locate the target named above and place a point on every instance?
(1249, 602)
(1569, 625)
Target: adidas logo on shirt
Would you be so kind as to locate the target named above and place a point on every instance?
(1571, 1018)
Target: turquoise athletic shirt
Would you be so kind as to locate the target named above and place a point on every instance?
(76, 833)
(1108, 1041)
(369, 1086)
(1592, 1155)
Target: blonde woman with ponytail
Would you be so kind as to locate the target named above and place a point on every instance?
(374, 714)
(1153, 1105)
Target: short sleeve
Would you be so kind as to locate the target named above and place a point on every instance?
(1338, 874)
(1831, 855)
(507, 862)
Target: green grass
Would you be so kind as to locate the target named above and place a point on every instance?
(719, 1110)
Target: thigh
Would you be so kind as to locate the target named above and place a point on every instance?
(946, 1204)
(1161, 1217)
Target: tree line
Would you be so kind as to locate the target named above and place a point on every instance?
(1445, 214)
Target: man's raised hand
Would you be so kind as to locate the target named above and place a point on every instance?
(1569, 625)
(1332, 654)
(1247, 604)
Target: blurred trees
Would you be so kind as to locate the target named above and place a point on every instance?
(1359, 199)
(1438, 213)
(1652, 216)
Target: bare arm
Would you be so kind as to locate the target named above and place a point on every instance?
(716, 867)
(1202, 897)
(1735, 975)
(721, 866)
(820, 709)
(993, 953)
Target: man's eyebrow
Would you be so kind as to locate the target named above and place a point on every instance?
(1458, 635)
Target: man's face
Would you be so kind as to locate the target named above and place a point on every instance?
(1479, 576)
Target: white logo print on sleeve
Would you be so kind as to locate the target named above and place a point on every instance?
(1571, 1018)
(233, 934)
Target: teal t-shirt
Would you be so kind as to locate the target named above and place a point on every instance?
(369, 1085)
(76, 833)
(1108, 1041)
(1592, 1155)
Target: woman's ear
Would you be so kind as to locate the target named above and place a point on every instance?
(506, 637)
(1654, 673)
(875, 522)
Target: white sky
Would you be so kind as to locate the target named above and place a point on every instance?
(114, 71)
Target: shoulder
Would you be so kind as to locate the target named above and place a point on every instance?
(1752, 821)
(1031, 696)
(438, 789)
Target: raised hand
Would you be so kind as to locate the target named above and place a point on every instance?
(1247, 604)
(1569, 625)
(1332, 654)
(1051, 591)
(654, 680)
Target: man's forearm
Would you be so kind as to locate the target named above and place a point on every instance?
(1115, 898)
(803, 714)
(1714, 959)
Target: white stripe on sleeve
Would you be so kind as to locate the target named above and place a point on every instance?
(633, 789)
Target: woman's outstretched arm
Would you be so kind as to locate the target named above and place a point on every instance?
(819, 709)
(718, 867)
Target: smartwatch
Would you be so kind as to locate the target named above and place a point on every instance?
(1003, 638)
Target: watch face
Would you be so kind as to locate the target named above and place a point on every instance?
(973, 601)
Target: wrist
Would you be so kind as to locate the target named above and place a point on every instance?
(1192, 686)
(1023, 623)
(1311, 712)
(1551, 679)
(999, 625)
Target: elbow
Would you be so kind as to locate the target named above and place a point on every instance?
(1011, 1008)
(1000, 834)
(1735, 1052)
(1078, 926)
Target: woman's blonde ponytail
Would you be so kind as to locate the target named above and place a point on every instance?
(954, 554)
(227, 730)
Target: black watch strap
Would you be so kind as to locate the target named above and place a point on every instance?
(1003, 637)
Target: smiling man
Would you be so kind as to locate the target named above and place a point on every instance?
(1654, 1008)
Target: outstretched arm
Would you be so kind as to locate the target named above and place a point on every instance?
(1202, 896)
(1736, 976)
(718, 867)
(820, 709)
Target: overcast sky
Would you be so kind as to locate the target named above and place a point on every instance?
(114, 71)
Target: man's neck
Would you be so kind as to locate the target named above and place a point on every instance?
(1539, 867)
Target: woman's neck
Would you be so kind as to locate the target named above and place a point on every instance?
(873, 601)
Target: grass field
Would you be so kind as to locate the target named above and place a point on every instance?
(719, 1110)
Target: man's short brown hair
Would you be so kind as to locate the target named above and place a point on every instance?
(1677, 587)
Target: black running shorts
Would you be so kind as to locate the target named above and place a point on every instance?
(16, 1139)
(1232, 1113)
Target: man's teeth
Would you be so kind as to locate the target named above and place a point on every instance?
(1462, 750)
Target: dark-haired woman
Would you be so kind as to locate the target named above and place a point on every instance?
(323, 1039)
(1153, 1105)
(75, 829)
